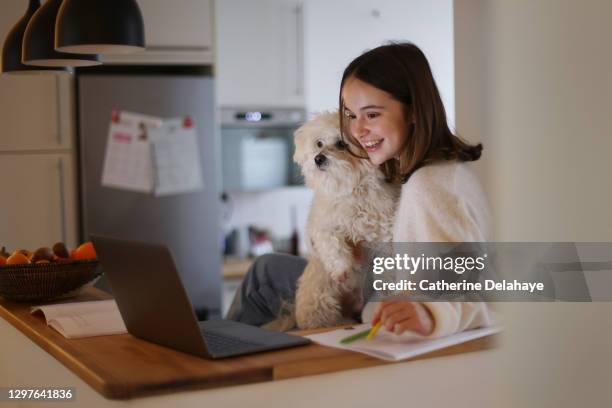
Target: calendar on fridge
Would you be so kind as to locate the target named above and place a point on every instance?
(127, 162)
(152, 155)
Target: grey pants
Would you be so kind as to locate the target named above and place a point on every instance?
(269, 283)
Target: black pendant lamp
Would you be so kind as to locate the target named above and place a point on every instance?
(11, 51)
(99, 27)
(39, 41)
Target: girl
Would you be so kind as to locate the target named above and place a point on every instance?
(391, 113)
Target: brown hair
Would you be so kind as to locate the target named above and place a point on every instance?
(402, 70)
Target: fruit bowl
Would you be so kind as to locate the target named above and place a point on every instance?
(47, 281)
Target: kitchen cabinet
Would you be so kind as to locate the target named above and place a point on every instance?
(38, 200)
(177, 23)
(259, 53)
(176, 32)
(37, 154)
(36, 112)
(38, 206)
(292, 52)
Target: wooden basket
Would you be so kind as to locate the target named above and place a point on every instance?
(46, 281)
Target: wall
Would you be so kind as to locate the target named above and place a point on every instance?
(534, 80)
(337, 31)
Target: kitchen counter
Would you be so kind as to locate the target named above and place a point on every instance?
(235, 267)
(123, 367)
(550, 355)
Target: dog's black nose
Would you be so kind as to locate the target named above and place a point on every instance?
(320, 159)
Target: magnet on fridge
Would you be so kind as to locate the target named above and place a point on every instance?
(142, 131)
(116, 115)
(187, 122)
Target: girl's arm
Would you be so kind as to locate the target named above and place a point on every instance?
(439, 203)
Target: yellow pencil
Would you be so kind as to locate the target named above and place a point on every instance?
(373, 331)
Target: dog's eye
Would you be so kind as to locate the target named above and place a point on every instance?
(319, 144)
(340, 145)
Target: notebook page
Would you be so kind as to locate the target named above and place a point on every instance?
(390, 347)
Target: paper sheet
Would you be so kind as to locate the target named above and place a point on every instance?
(176, 158)
(127, 161)
(390, 347)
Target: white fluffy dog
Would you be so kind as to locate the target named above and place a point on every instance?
(352, 203)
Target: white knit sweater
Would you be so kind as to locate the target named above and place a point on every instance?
(443, 202)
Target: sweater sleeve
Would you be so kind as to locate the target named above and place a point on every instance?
(443, 204)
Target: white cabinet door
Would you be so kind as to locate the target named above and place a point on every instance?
(177, 23)
(259, 52)
(38, 205)
(36, 112)
(176, 32)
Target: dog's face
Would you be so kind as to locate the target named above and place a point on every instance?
(324, 158)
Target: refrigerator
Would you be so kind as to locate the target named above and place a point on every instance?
(188, 223)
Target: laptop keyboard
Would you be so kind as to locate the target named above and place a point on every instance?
(221, 344)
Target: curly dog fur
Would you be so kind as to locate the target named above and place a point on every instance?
(352, 203)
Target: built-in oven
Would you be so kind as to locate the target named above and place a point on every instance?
(257, 148)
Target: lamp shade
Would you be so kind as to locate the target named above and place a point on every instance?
(38, 47)
(11, 50)
(99, 27)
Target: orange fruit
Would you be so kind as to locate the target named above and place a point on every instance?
(26, 252)
(2, 260)
(85, 251)
(17, 258)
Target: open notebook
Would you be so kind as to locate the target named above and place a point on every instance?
(83, 319)
(390, 347)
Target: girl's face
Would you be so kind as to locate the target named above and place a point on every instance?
(376, 120)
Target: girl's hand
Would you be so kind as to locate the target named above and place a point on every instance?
(400, 315)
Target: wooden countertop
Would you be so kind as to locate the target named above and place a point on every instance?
(124, 367)
(235, 267)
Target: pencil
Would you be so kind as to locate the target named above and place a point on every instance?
(368, 333)
(373, 330)
(355, 336)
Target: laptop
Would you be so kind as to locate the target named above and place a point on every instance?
(155, 307)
